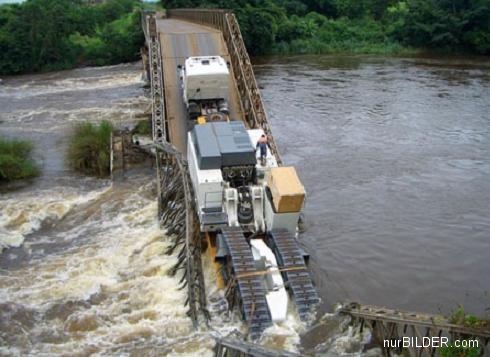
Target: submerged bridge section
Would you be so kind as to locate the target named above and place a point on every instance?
(423, 333)
(169, 40)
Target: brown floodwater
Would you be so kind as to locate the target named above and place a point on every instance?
(394, 154)
(395, 157)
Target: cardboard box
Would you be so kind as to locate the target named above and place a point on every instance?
(288, 194)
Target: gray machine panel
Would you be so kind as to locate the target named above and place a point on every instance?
(221, 144)
(234, 144)
(222, 128)
(207, 149)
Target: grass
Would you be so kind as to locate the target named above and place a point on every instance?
(453, 351)
(89, 148)
(15, 160)
(143, 127)
(459, 317)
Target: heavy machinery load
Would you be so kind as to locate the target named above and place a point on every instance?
(248, 209)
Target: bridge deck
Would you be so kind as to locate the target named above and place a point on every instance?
(181, 39)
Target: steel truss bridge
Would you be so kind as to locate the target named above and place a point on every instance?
(170, 39)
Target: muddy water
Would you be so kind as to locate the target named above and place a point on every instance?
(395, 156)
(393, 153)
(82, 269)
(82, 263)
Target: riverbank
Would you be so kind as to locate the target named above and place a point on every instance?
(111, 33)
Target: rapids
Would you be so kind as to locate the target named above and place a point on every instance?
(82, 264)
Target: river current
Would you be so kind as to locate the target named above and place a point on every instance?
(395, 157)
(394, 154)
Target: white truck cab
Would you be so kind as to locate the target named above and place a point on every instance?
(205, 78)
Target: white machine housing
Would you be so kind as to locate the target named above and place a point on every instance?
(208, 184)
(212, 192)
(205, 77)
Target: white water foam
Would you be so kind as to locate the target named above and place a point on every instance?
(23, 214)
(123, 263)
(35, 88)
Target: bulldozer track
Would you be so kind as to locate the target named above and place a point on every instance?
(249, 288)
(298, 280)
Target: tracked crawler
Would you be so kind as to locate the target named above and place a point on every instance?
(248, 207)
(217, 194)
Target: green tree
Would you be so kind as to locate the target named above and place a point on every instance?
(51, 34)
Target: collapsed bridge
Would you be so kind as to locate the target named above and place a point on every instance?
(185, 33)
(170, 41)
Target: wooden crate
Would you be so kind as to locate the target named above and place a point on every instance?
(288, 194)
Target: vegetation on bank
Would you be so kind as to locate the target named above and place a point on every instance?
(143, 127)
(466, 348)
(89, 149)
(15, 160)
(40, 35)
(357, 26)
(454, 351)
(460, 317)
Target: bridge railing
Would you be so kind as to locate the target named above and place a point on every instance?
(176, 210)
(389, 327)
(248, 90)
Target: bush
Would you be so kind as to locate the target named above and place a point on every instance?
(15, 160)
(143, 127)
(453, 351)
(89, 150)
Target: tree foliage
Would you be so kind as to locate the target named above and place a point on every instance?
(358, 25)
(41, 35)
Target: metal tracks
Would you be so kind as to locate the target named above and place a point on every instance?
(294, 271)
(250, 291)
(176, 209)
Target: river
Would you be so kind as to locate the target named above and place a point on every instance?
(395, 157)
(394, 154)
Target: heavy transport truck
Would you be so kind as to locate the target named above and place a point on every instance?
(205, 87)
(248, 208)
